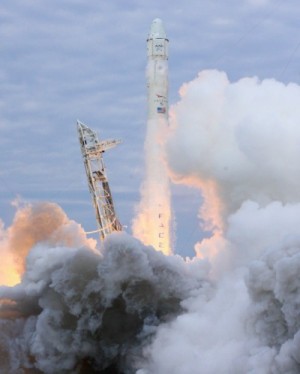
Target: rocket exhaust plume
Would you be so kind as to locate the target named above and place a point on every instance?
(152, 224)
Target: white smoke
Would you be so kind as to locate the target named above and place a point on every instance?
(239, 143)
(78, 310)
(250, 322)
(243, 136)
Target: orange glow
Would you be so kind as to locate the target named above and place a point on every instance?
(152, 225)
(12, 278)
(8, 309)
(211, 247)
(9, 276)
(212, 212)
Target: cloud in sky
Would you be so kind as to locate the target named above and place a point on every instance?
(70, 59)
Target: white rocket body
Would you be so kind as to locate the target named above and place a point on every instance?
(156, 187)
(157, 71)
(152, 224)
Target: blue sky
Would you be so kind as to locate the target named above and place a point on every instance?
(66, 60)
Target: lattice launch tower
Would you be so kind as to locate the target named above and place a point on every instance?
(92, 152)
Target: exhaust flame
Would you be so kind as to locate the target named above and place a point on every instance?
(152, 224)
(9, 275)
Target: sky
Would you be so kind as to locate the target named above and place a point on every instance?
(67, 60)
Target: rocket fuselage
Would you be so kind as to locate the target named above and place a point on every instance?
(152, 225)
(157, 181)
(157, 71)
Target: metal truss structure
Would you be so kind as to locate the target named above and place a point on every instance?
(92, 152)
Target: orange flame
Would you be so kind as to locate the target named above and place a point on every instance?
(152, 225)
(8, 275)
(211, 212)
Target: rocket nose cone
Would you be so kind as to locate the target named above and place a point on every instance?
(157, 30)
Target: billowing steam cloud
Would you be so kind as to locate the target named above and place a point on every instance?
(42, 222)
(239, 142)
(33, 224)
(244, 137)
(249, 323)
(81, 311)
(235, 308)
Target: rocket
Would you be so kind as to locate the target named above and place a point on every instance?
(152, 225)
(157, 70)
(159, 204)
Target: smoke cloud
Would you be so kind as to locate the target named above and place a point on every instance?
(78, 310)
(127, 308)
(41, 222)
(248, 322)
(241, 139)
(239, 143)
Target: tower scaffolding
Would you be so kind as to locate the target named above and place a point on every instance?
(92, 152)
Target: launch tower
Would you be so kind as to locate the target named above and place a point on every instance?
(92, 152)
